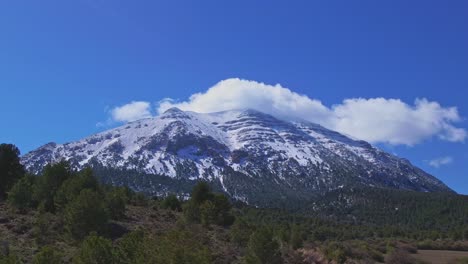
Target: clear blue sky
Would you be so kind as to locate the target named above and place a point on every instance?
(63, 63)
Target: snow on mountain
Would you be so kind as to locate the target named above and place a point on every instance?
(245, 152)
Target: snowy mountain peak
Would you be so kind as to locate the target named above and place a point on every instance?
(243, 151)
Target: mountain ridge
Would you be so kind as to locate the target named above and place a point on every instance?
(245, 152)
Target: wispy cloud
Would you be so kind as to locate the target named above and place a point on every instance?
(438, 162)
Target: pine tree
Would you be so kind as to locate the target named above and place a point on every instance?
(11, 169)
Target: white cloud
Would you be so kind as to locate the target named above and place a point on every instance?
(437, 163)
(131, 112)
(377, 120)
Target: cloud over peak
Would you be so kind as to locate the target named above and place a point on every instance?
(377, 120)
(131, 111)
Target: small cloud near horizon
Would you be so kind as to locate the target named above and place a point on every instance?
(376, 120)
(442, 161)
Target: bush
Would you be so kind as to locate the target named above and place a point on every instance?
(130, 247)
(20, 195)
(10, 259)
(208, 208)
(177, 246)
(116, 201)
(207, 213)
(85, 214)
(240, 232)
(42, 229)
(95, 250)
(336, 251)
(263, 248)
(172, 202)
(47, 255)
(72, 187)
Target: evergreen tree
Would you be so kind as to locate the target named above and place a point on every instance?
(11, 169)
(72, 187)
(115, 202)
(263, 248)
(49, 183)
(86, 214)
(172, 202)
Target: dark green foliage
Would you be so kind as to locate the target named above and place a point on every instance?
(263, 248)
(116, 200)
(139, 199)
(20, 195)
(191, 212)
(95, 250)
(72, 187)
(177, 247)
(201, 192)
(85, 214)
(208, 208)
(10, 259)
(130, 247)
(240, 232)
(172, 202)
(11, 169)
(50, 182)
(398, 212)
(296, 238)
(207, 213)
(42, 229)
(47, 255)
(336, 251)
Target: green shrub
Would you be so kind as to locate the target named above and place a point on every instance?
(207, 213)
(336, 251)
(20, 195)
(72, 187)
(115, 202)
(130, 247)
(85, 214)
(177, 246)
(240, 232)
(10, 259)
(47, 255)
(172, 202)
(263, 248)
(208, 208)
(95, 250)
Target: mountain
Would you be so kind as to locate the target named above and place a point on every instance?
(252, 156)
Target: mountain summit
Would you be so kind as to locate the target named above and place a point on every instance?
(251, 156)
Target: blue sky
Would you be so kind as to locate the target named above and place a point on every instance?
(64, 65)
